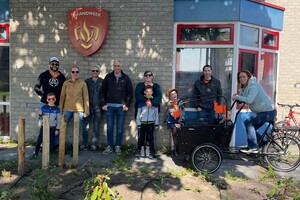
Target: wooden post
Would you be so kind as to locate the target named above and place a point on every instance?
(75, 139)
(62, 140)
(46, 142)
(21, 145)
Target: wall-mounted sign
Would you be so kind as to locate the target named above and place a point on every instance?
(87, 28)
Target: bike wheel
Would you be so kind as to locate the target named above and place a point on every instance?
(283, 153)
(207, 158)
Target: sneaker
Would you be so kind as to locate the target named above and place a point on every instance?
(83, 147)
(249, 151)
(93, 148)
(142, 152)
(34, 156)
(108, 150)
(138, 155)
(118, 150)
(147, 152)
(151, 156)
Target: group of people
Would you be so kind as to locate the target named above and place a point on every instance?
(114, 94)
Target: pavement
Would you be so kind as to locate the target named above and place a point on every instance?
(246, 167)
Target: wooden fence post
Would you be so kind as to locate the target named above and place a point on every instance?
(75, 139)
(46, 142)
(21, 145)
(62, 140)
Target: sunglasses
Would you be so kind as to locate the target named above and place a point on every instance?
(51, 99)
(148, 75)
(73, 72)
(117, 65)
(54, 64)
(95, 70)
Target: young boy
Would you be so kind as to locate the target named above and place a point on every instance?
(53, 112)
(147, 118)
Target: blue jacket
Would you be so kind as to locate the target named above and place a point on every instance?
(255, 96)
(54, 115)
(146, 115)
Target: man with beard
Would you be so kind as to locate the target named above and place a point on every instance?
(50, 81)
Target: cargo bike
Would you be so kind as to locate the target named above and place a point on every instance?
(206, 140)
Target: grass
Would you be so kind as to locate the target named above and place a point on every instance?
(231, 176)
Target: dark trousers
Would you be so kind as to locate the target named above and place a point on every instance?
(146, 130)
(40, 139)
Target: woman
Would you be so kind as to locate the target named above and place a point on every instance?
(259, 103)
(74, 98)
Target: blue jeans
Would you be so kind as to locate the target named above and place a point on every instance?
(95, 118)
(69, 115)
(112, 114)
(254, 122)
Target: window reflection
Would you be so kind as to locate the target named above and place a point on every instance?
(249, 36)
(3, 34)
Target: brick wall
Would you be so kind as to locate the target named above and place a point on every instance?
(140, 35)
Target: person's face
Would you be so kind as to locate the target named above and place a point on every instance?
(51, 99)
(172, 111)
(148, 77)
(54, 66)
(117, 67)
(148, 92)
(243, 78)
(173, 95)
(95, 72)
(207, 72)
(75, 72)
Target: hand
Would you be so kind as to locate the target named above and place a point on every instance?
(234, 97)
(84, 115)
(56, 132)
(199, 109)
(124, 108)
(105, 107)
(149, 104)
(177, 125)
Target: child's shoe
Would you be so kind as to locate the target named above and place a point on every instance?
(147, 151)
(142, 152)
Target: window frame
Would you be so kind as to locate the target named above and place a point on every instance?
(230, 26)
(6, 26)
(275, 34)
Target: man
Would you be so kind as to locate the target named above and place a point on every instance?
(208, 89)
(117, 92)
(50, 81)
(94, 84)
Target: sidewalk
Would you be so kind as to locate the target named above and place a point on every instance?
(164, 163)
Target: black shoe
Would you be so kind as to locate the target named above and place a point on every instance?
(152, 156)
(83, 147)
(34, 156)
(138, 155)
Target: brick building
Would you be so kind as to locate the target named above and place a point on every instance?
(143, 35)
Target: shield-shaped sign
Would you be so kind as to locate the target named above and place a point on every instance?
(87, 28)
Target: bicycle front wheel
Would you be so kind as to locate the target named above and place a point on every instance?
(283, 153)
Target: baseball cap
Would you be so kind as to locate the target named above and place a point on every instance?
(172, 90)
(54, 59)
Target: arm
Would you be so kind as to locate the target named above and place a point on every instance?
(86, 105)
(138, 120)
(158, 95)
(156, 123)
(62, 97)
(38, 86)
(219, 92)
(248, 98)
(139, 92)
(129, 90)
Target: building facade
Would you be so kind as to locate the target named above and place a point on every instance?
(150, 35)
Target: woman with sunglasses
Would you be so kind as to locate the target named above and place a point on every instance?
(74, 98)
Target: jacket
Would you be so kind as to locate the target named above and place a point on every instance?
(157, 94)
(120, 92)
(54, 115)
(46, 84)
(255, 96)
(146, 115)
(206, 90)
(74, 97)
(95, 93)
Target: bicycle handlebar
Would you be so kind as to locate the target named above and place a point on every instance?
(288, 105)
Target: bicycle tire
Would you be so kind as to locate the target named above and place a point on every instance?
(207, 158)
(286, 156)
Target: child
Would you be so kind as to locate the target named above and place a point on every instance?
(147, 118)
(54, 121)
(174, 116)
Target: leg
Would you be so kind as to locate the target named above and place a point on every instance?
(69, 115)
(141, 137)
(85, 126)
(110, 120)
(52, 136)
(96, 124)
(120, 122)
(150, 136)
(39, 141)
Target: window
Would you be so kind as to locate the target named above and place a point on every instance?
(4, 91)
(4, 33)
(270, 39)
(249, 36)
(205, 34)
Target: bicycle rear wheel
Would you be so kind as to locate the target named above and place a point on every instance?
(283, 153)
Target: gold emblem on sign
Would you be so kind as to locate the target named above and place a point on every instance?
(86, 34)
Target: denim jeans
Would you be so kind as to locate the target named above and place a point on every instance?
(70, 115)
(115, 114)
(95, 118)
(254, 122)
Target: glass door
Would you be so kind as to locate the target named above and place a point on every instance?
(4, 91)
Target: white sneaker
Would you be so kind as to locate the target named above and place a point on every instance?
(147, 152)
(93, 148)
(108, 150)
(118, 150)
(142, 152)
(249, 151)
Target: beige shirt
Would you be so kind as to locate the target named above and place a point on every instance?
(74, 97)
